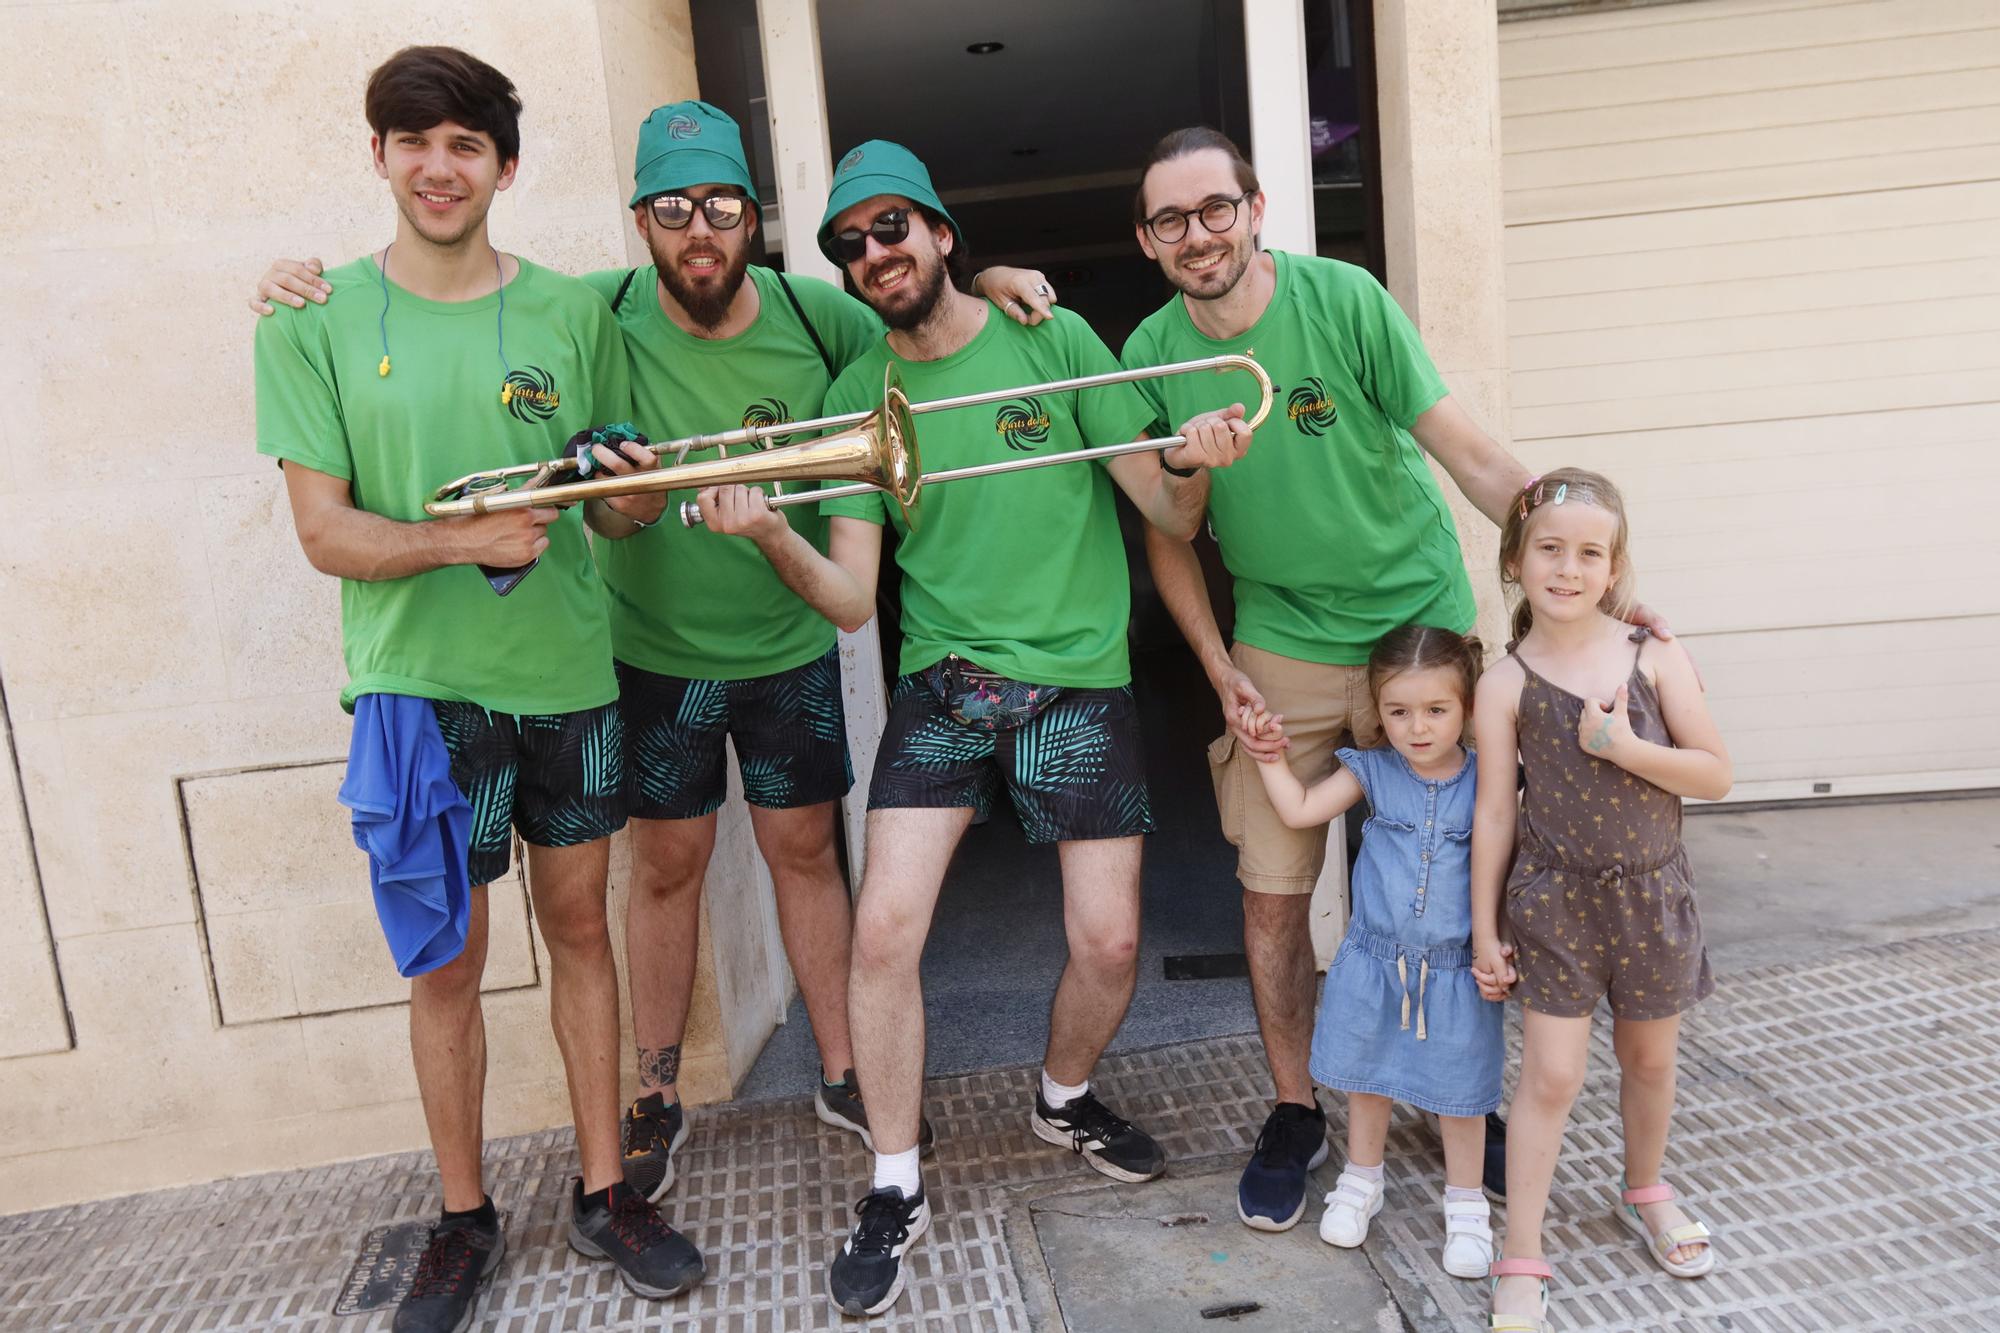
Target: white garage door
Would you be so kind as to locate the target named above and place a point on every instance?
(1753, 274)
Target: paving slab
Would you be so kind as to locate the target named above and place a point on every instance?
(1838, 1126)
(1165, 1257)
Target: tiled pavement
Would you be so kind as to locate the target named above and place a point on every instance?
(1839, 1126)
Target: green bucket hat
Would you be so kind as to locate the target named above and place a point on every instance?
(689, 143)
(878, 167)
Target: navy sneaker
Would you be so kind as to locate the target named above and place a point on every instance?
(1495, 1176)
(654, 1259)
(867, 1275)
(1271, 1196)
(653, 1132)
(458, 1261)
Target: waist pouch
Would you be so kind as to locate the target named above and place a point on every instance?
(987, 700)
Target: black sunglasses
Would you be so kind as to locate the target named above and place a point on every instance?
(675, 211)
(892, 228)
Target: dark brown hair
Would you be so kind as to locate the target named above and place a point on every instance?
(1421, 647)
(423, 86)
(1575, 486)
(957, 264)
(1180, 143)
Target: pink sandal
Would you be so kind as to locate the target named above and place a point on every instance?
(1662, 1246)
(1521, 1323)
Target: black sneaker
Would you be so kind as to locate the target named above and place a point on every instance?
(459, 1260)
(1271, 1196)
(1495, 1175)
(839, 1105)
(652, 1133)
(654, 1259)
(867, 1274)
(1115, 1147)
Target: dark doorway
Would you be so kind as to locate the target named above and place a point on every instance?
(1033, 118)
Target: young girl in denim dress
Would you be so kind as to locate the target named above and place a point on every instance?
(1401, 1017)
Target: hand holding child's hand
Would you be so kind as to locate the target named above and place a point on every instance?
(1264, 727)
(1604, 729)
(1493, 970)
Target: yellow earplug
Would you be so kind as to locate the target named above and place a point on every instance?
(506, 394)
(383, 369)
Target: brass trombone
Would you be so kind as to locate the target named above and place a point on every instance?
(879, 453)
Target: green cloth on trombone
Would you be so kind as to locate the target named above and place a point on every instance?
(685, 602)
(1332, 525)
(322, 403)
(1022, 574)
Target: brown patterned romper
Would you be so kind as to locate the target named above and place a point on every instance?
(1599, 900)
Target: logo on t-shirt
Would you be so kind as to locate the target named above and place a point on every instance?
(1022, 424)
(534, 396)
(682, 127)
(1309, 407)
(768, 412)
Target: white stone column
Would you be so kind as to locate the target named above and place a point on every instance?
(795, 94)
(1438, 76)
(1274, 48)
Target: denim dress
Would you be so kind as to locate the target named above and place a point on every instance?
(1400, 1015)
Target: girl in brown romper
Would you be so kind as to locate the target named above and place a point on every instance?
(1584, 871)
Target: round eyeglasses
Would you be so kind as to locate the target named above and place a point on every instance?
(1170, 225)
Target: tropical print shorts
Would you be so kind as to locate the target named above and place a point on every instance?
(790, 730)
(1076, 770)
(559, 778)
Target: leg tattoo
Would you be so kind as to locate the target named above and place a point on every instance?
(659, 1066)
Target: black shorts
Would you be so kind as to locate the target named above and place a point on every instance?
(790, 731)
(1077, 771)
(557, 777)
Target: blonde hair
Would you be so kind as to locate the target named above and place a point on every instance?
(1567, 485)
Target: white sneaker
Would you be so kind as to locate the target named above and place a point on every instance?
(1354, 1200)
(1468, 1238)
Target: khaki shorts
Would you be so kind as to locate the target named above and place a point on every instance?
(1324, 707)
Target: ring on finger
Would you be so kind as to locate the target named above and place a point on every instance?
(1041, 289)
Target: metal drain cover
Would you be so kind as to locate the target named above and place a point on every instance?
(384, 1269)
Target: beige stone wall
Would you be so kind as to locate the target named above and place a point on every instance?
(1438, 74)
(170, 662)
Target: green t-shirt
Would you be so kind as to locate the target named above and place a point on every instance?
(1332, 525)
(685, 602)
(546, 646)
(1023, 574)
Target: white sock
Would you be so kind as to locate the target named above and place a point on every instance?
(1059, 1095)
(1453, 1194)
(898, 1169)
(1373, 1173)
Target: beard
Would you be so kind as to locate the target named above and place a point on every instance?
(706, 300)
(918, 298)
(1219, 281)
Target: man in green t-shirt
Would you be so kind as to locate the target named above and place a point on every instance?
(1015, 599)
(1334, 532)
(474, 358)
(710, 646)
